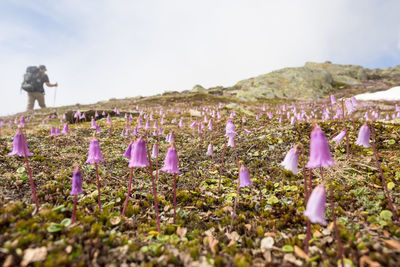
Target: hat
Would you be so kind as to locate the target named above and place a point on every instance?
(42, 67)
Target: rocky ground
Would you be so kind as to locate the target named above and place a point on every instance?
(269, 228)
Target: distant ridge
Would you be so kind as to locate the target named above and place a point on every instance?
(312, 81)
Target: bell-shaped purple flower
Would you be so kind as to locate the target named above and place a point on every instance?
(58, 132)
(22, 121)
(209, 150)
(291, 160)
(231, 141)
(154, 153)
(128, 151)
(94, 152)
(244, 177)
(363, 136)
(52, 131)
(139, 155)
(315, 210)
(65, 129)
(333, 99)
(320, 156)
(171, 161)
(108, 119)
(18, 145)
(98, 130)
(76, 182)
(210, 125)
(230, 129)
(93, 123)
(180, 124)
(339, 138)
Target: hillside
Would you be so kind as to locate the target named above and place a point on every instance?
(269, 227)
(312, 81)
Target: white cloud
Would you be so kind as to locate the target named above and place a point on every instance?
(97, 50)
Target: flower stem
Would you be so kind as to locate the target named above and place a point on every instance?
(98, 185)
(128, 194)
(74, 210)
(174, 198)
(30, 175)
(378, 165)
(337, 235)
(221, 166)
(234, 206)
(347, 136)
(150, 170)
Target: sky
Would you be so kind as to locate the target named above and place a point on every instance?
(99, 49)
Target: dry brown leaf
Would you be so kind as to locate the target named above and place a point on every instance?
(365, 261)
(300, 253)
(233, 237)
(34, 255)
(181, 231)
(393, 244)
(318, 234)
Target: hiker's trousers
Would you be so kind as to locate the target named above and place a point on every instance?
(32, 96)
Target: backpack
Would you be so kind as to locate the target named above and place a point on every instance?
(31, 79)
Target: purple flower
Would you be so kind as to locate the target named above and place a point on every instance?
(210, 125)
(231, 141)
(339, 138)
(103, 113)
(244, 177)
(291, 160)
(94, 152)
(96, 114)
(128, 151)
(209, 150)
(171, 161)
(98, 128)
(65, 129)
(315, 210)
(147, 125)
(76, 182)
(18, 145)
(52, 131)
(193, 125)
(93, 122)
(58, 132)
(154, 153)
(230, 129)
(180, 124)
(22, 121)
(350, 107)
(363, 136)
(333, 99)
(108, 119)
(139, 155)
(320, 156)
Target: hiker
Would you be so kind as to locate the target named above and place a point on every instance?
(37, 93)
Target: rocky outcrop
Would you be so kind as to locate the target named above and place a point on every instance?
(312, 81)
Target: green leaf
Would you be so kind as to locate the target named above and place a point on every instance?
(59, 208)
(55, 227)
(390, 185)
(386, 215)
(24, 177)
(287, 248)
(272, 200)
(21, 170)
(66, 222)
(391, 142)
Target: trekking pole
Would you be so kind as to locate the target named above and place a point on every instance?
(55, 93)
